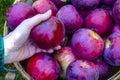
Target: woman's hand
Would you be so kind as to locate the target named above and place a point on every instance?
(18, 46)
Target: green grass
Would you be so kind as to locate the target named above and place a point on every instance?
(4, 5)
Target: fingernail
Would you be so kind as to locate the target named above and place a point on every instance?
(48, 12)
(57, 47)
(50, 51)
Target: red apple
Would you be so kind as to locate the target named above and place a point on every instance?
(64, 56)
(82, 70)
(84, 7)
(17, 13)
(85, 4)
(48, 34)
(41, 6)
(70, 18)
(99, 21)
(116, 12)
(112, 49)
(87, 44)
(43, 67)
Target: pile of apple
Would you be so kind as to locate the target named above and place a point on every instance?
(88, 32)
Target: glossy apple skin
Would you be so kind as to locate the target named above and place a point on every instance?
(103, 68)
(82, 70)
(101, 25)
(116, 12)
(70, 18)
(85, 4)
(60, 3)
(84, 7)
(116, 28)
(64, 56)
(43, 67)
(112, 49)
(41, 6)
(109, 2)
(17, 13)
(87, 44)
(48, 34)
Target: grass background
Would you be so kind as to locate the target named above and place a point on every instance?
(4, 5)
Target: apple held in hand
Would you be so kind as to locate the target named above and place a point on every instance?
(48, 34)
(43, 67)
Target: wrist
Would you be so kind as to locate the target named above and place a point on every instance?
(1, 54)
(9, 43)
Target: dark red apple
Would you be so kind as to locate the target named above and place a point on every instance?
(84, 7)
(99, 21)
(116, 28)
(60, 3)
(112, 49)
(109, 2)
(64, 56)
(17, 13)
(85, 4)
(82, 70)
(87, 44)
(70, 17)
(43, 67)
(116, 12)
(103, 68)
(48, 34)
(41, 6)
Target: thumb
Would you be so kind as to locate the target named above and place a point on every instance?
(31, 22)
(39, 18)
